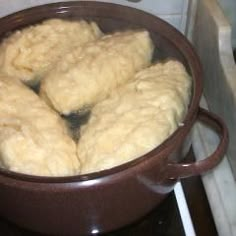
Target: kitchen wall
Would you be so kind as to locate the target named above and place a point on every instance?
(229, 9)
(173, 11)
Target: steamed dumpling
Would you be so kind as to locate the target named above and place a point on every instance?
(33, 138)
(29, 53)
(136, 118)
(88, 74)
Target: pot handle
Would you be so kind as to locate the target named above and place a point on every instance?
(183, 170)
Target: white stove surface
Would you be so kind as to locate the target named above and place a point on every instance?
(184, 211)
(211, 35)
(219, 184)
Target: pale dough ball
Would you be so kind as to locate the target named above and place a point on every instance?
(88, 74)
(28, 54)
(136, 118)
(33, 138)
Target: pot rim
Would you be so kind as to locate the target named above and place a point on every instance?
(174, 36)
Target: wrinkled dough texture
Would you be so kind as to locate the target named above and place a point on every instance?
(88, 74)
(29, 53)
(136, 118)
(33, 138)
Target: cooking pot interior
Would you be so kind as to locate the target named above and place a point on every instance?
(169, 43)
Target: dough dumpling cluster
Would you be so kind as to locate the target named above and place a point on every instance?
(134, 103)
(91, 72)
(28, 54)
(136, 118)
(33, 138)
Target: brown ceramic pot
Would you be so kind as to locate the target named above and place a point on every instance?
(101, 202)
